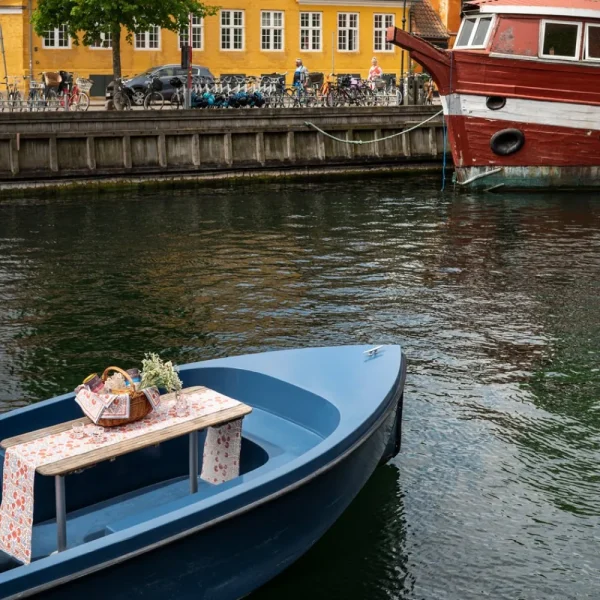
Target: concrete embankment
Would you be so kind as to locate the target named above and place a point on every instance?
(104, 148)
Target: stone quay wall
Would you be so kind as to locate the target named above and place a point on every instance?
(54, 147)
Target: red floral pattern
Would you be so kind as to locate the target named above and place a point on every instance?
(221, 452)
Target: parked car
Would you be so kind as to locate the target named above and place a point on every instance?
(165, 73)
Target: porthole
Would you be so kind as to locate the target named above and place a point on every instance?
(495, 102)
(507, 142)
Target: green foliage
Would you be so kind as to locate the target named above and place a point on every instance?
(159, 373)
(87, 19)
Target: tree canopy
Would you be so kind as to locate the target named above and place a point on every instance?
(87, 20)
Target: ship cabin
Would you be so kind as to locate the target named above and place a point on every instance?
(552, 31)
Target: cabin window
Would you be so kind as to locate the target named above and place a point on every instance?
(561, 39)
(474, 33)
(592, 42)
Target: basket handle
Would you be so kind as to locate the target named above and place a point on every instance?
(118, 370)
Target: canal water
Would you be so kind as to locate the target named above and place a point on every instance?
(496, 493)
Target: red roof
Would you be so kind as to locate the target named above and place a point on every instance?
(570, 4)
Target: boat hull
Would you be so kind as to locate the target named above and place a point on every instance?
(239, 554)
(553, 110)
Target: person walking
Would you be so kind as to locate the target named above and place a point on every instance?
(300, 74)
(375, 72)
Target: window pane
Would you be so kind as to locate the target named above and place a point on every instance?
(303, 19)
(316, 20)
(378, 20)
(266, 19)
(465, 33)
(560, 39)
(481, 33)
(225, 17)
(342, 20)
(316, 41)
(278, 19)
(593, 42)
(237, 17)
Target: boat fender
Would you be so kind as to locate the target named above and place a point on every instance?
(495, 102)
(507, 141)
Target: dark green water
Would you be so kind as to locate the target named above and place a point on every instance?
(496, 493)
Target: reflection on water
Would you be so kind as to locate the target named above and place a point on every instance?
(494, 298)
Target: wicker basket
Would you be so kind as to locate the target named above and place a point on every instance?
(139, 406)
(84, 85)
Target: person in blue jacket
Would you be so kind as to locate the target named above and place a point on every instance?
(300, 74)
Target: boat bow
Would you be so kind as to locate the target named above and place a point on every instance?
(435, 61)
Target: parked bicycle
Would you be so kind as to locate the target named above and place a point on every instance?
(71, 93)
(14, 98)
(153, 99)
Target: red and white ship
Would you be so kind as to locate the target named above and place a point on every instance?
(521, 92)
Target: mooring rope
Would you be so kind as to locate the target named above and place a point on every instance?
(360, 142)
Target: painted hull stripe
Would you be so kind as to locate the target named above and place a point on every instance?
(519, 110)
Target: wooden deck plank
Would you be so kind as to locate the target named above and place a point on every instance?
(82, 461)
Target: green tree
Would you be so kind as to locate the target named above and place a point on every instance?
(87, 20)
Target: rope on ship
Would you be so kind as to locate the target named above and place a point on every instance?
(375, 141)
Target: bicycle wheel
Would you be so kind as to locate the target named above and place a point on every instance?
(289, 99)
(154, 101)
(52, 102)
(121, 100)
(81, 102)
(15, 101)
(177, 100)
(369, 98)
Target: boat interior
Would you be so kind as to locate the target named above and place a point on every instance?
(286, 422)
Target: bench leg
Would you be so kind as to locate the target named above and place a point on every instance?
(61, 513)
(193, 462)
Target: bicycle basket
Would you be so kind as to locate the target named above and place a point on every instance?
(84, 85)
(52, 79)
(176, 82)
(156, 85)
(344, 81)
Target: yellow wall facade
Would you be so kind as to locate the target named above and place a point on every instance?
(252, 60)
(12, 21)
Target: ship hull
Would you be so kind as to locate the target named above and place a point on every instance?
(561, 143)
(515, 123)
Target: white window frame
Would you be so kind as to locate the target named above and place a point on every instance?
(272, 28)
(347, 28)
(586, 48)
(197, 25)
(468, 45)
(385, 46)
(103, 37)
(146, 38)
(543, 24)
(56, 33)
(232, 29)
(311, 29)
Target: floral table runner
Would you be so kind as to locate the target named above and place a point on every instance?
(220, 463)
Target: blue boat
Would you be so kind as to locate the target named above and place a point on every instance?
(322, 420)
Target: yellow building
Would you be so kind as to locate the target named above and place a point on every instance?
(246, 36)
